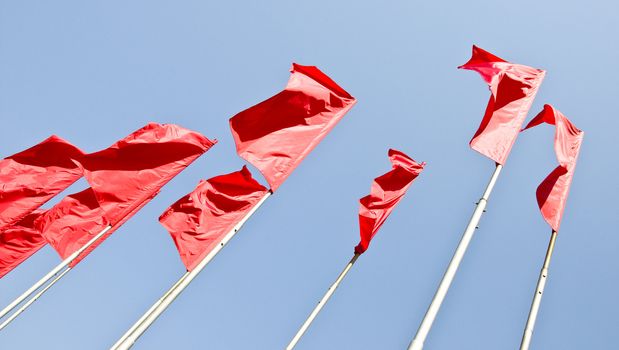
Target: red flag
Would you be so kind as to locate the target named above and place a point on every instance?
(387, 190)
(71, 223)
(198, 221)
(123, 178)
(277, 134)
(133, 169)
(32, 177)
(513, 88)
(552, 192)
(19, 242)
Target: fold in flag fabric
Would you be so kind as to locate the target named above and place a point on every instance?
(30, 178)
(277, 134)
(200, 220)
(386, 192)
(552, 192)
(19, 242)
(513, 88)
(71, 223)
(123, 178)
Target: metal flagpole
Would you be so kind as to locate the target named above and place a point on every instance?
(55, 271)
(321, 304)
(426, 324)
(132, 335)
(537, 298)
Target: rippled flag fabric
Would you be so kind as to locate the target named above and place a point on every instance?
(513, 88)
(552, 192)
(72, 222)
(123, 178)
(133, 169)
(278, 133)
(386, 192)
(199, 221)
(19, 242)
(30, 178)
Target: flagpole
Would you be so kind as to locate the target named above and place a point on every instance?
(425, 326)
(537, 297)
(32, 300)
(47, 278)
(321, 303)
(132, 335)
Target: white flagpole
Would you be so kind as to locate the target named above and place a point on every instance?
(321, 304)
(537, 298)
(60, 267)
(426, 324)
(132, 335)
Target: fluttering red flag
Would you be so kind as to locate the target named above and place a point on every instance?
(72, 222)
(19, 242)
(123, 178)
(199, 221)
(386, 192)
(278, 133)
(133, 169)
(30, 178)
(552, 192)
(513, 88)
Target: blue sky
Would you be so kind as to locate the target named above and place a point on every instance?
(92, 72)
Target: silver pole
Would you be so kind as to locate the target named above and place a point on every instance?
(49, 276)
(537, 298)
(32, 300)
(321, 304)
(426, 324)
(132, 335)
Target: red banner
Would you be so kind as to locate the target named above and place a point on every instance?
(199, 221)
(277, 134)
(386, 192)
(552, 192)
(513, 88)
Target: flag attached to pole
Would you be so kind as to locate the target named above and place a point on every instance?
(19, 242)
(32, 177)
(513, 88)
(123, 178)
(386, 192)
(552, 192)
(198, 221)
(277, 134)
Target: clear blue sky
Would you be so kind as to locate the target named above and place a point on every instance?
(94, 71)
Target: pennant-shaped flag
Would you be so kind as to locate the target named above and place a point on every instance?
(387, 190)
(30, 178)
(19, 242)
(277, 134)
(123, 178)
(552, 192)
(513, 88)
(200, 220)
